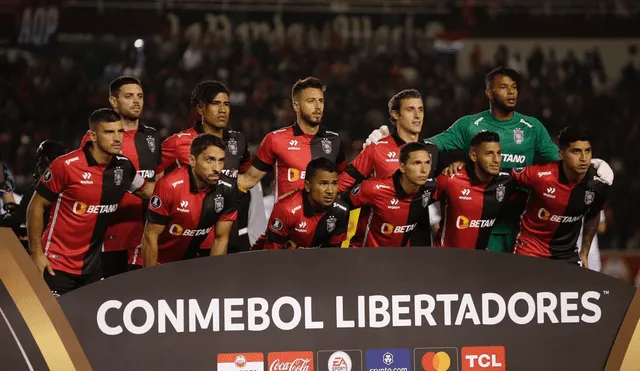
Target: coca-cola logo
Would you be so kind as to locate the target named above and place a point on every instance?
(298, 364)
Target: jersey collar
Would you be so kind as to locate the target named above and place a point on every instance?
(197, 126)
(399, 141)
(91, 161)
(309, 210)
(562, 177)
(297, 131)
(193, 186)
(471, 173)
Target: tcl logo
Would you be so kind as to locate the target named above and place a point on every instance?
(484, 358)
(389, 228)
(293, 175)
(290, 361)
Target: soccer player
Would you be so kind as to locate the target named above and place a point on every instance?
(83, 189)
(562, 194)
(311, 217)
(397, 203)
(288, 150)
(188, 203)
(141, 144)
(211, 100)
(473, 198)
(406, 113)
(521, 138)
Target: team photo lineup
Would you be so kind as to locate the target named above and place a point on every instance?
(126, 199)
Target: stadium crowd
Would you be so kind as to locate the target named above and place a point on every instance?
(49, 94)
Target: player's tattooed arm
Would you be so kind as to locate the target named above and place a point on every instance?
(150, 243)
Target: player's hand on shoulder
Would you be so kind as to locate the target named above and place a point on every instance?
(376, 135)
(604, 171)
(454, 168)
(290, 245)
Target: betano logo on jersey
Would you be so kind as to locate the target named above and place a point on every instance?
(293, 175)
(544, 214)
(178, 230)
(147, 174)
(80, 208)
(390, 228)
(463, 223)
(517, 159)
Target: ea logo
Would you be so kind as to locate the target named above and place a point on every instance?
(79, 208)
(339, 361)
(176, 230)
(436, 361)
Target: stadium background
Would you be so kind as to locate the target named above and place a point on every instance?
(580, 61)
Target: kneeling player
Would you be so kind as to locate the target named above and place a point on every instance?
(562, 194)
(187, 203)
(473, 198)
(395, 205)
(312, 217)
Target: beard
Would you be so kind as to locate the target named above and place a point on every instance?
(308, 118)
(503, 107)
(130, 115)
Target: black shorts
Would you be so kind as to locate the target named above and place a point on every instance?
(114, 262)
(64, 282)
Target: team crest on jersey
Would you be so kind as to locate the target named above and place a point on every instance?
(331, 223)
(326, 146)
(232, 145)
(151, 142)
(218, 203)
(589, 196)
(155, 202)
(518, 136)
(426, 196)
(500, 192)
(276, 225)
(118, 173)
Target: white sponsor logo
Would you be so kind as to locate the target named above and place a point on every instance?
(69, 161)
(380, 186)
(183, 206)
(301, 227)
(293, 211)
(257, 314)
(293, 145)
(518, 159)
(230, 173)
(86, 177)
(394, 204)
(465, 195)
(550, 192)
(177, 183)
(392, 157)
(544, 214)
(178, 230)
(298, 364)
(335, 204)
(387, 228)
(462, 222)
(543, 173)
(147, 174)
(339, 361)
(80, 208)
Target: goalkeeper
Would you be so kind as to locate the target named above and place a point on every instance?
(522, 139)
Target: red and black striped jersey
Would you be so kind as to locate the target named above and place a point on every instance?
(391, 215)
(142, 147)
(379, 160)
(187, 213)
(294, 219)
(289, 150)
(84, 196)
(556, 207)
(176, 150)
(470, 208)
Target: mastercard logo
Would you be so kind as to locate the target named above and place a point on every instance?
(462, 222)
(439, 361)
(176, 230)
(79, 208)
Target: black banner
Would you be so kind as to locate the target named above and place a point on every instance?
(417, 309)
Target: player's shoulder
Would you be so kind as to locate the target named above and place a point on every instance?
(468, 120)
(340, 207)
(528, 121)
(236, 135)
(147, 129)
(330, 134)
(186, 134)
(384, 184)
(226, 185)
(73, 158)
(175, 180)
(280, 133)
(122, 160)
(291, 203)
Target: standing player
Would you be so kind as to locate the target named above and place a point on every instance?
(397, 203)
(187, 203)
(141, 144)
(563, 193)
(473, 198)
(311, 217)
(521, 138)
(211, 100)
(83, 188)
(406, 113)
(288, 150)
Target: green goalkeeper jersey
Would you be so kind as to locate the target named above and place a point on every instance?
(521, 138)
